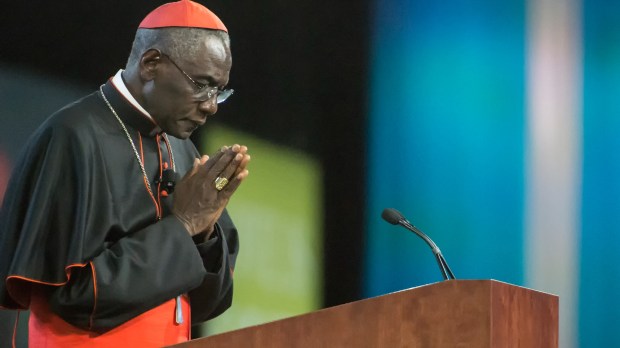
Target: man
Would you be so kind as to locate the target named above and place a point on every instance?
(98, 236)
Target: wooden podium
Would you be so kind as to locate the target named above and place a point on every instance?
(453, 313)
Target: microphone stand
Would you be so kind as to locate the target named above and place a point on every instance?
(446, 272)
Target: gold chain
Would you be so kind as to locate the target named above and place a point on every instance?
(133, 146)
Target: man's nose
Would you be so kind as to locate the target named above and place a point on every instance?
(208, 106)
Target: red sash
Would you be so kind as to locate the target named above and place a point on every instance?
(155, 328)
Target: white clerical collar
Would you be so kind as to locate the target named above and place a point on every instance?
(118, 82)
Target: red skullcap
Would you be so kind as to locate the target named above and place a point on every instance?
(184, 13)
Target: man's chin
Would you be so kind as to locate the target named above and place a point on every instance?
(180, 134)
(181, 130)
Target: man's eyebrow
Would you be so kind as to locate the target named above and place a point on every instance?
(210, 79)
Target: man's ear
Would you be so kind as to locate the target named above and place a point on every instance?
(149, 64)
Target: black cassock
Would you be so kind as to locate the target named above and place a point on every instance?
(78, 217)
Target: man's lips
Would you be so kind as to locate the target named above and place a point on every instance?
(196, 124)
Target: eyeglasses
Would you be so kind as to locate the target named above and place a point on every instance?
(204, 92)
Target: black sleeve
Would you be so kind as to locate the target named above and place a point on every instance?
(133, 275)
(219, 255)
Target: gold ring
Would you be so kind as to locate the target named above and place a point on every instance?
(220, 183)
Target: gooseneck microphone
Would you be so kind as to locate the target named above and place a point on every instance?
(394, 217)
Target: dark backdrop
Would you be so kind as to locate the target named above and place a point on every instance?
(299, 74)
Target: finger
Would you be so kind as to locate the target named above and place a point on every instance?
(240, 167)
(201, 163)
(234, 183)
(225, 166)
(236, 166)
(213, 159)
(194, 169)
(244, 163)
(244, 149)
(244, 174)
(232, 167)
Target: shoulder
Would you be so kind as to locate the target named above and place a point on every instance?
(80, 120)
(85, 114)
(73, 129)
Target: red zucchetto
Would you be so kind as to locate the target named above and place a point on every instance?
(184, 13)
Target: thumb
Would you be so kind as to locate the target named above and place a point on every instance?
(194, 169)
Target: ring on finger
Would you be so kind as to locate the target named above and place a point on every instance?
(220, 183)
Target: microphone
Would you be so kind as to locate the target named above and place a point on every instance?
(394, 217)
(167, 180)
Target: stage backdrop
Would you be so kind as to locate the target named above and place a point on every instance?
(599, 270)
(494, 127)
(447, 140)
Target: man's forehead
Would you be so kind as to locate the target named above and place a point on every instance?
(216, 48)
(209, 49)
(212, 60)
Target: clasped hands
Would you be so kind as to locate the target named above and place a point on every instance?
(197, 203)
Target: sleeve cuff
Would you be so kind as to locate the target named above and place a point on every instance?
(211, 250)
